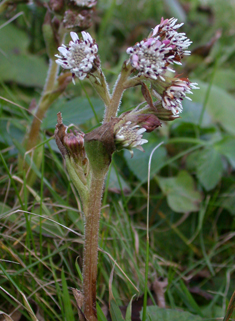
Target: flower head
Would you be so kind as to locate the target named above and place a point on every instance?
(149, 57)
(164, 46)
(128, 136)
(80, 56)
(174, 94)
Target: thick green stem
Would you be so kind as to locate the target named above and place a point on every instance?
(90, 257)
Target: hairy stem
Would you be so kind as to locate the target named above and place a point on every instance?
(119, 88)
(90, 257)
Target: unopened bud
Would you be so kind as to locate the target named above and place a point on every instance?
(148, 121)
(74, 144)
(71, 146)
(78, 21)
(56, 5)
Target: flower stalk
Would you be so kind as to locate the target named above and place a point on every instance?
(119, 88)
(90, 254)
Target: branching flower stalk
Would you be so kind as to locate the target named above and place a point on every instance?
(88, 156)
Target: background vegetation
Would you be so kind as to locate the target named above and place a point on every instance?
(192, 201)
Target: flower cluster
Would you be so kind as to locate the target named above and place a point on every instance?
(129, 136)
(80, 56)
(174, 94)
(152, 56)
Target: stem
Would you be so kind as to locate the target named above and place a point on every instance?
(90, 257)
(119, 88)
(43, 105)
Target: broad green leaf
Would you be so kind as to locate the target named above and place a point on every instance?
(220, 105)
(191, 161)
(228, 200)
(226, 147)
(180, 192)
(225, 79)
(191, 114)
(154, 313)
(211, 312)
(13, 39)
(16, 64)
(69, 316)
(75, 111)
(139, 163)
(9, 129)
(115, 311)
(209, 168)
(25, 69)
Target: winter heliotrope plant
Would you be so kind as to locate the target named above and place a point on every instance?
(88, 156)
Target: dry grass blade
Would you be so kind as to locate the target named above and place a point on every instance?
(6, 316)
(110, 256)
(231, 307)
(11, 102)
(28, 307)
